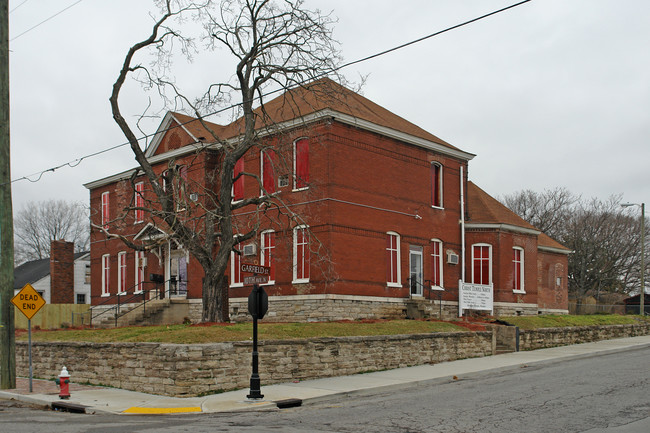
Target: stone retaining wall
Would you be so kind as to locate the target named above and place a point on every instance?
(186, 370)
(552, 337)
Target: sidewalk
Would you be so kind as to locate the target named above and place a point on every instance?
(96, 399)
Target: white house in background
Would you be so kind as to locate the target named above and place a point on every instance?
(63, 278)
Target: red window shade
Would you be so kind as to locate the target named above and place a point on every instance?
(435, 186)
(436, 250)
(139, 201)
(302, 254)
(481, 264)
(302, 163)
(516, 269)
(268, 171)
(238, 185)
(236, 267)
(105, 209)
(268, 246)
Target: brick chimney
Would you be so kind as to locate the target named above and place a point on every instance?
(62, 272)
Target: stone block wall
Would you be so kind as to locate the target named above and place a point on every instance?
(186, 370)
(552, 337)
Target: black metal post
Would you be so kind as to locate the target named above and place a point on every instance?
(255, 391)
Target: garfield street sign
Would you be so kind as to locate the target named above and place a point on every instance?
(28, 301)
(255, 269)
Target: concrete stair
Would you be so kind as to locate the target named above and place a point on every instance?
(136, 315)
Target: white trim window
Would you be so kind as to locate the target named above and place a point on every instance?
(235, 269)
(139, 202)
(393, 271)
(238, 185)
(106, 274)
(106, 209)
(482, 264)
(436, 265)
(436, 184)
(121, 273)
(301, 254)
(267, 252)
(140, 264)
(518, 270)
(267, 170)
(301, 164)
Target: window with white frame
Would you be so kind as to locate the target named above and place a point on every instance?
(106, 209)
(267, 252)
(301, 254)
(106, 274)
(482, 264)
(436, 264)
(121, 272)
(267, 169)
(139, 202)
(436, 184)
(235, 268)
(140, 264)
(393, 271)
(301, 164)
(518, 270)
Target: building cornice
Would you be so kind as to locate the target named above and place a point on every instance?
(554, 250)
(502, 227)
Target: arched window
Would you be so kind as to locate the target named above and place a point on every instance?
(301, 254)
(436, 264)
(482, 264)
(267, 169)
(267, 253)
(393, 272)
(436, 184)
(518, 270)
(301, 164)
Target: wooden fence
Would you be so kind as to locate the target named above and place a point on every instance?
(53, 316)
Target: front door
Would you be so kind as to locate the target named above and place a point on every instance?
(177, 281)
(415, 279)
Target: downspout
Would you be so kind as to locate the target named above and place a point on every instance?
(462, 240)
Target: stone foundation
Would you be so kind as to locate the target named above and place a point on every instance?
(552, 337)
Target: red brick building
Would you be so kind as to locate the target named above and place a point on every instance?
(389, 223)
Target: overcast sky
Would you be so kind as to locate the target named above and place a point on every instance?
(552, 93)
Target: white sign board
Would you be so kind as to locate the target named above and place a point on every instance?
(475, 297)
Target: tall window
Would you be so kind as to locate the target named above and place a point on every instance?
(140, 264)
(518, 269)
(106, 273)
(481, 264)
(393, 273)
(268, 171)
(238, 185)
(235, 269)
(139, 202)
(436, 184)
(268, 250)
(436, 264)
(301, 163)
(121, 272)
(106, 208)
(300, 254)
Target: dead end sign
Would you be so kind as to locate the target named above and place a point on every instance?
(28, 301)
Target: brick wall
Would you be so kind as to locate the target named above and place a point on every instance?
(62, 272)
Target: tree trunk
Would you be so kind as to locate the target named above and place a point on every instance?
(215, 298)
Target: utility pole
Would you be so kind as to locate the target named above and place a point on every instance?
(7, 335)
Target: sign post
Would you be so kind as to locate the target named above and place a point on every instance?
(28, 301)
(258, 305)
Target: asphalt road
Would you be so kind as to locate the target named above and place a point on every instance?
(606, 393)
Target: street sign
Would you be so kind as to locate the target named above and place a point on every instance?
(28, 301)
(255, 279)
(255, 269)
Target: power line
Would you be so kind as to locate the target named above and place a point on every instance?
(44, 21)
(24, 1)
(78, 161)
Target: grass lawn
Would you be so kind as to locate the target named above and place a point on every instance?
(192, 334)
(211, 333)
(553, 321)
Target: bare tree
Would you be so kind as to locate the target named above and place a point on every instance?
(39, 223)
(276, 45)
(604, 238)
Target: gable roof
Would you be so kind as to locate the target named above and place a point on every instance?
(318, 99)
(485, 210)
(36, 270)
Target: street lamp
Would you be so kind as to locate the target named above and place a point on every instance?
(642, 295)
